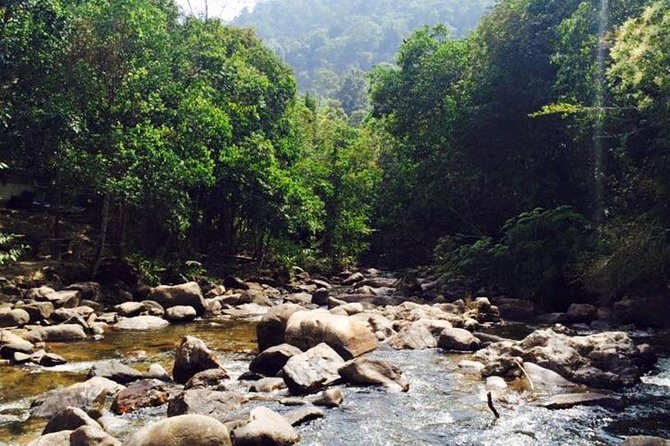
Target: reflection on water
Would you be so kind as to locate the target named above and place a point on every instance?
(445, 406)
(19, 385)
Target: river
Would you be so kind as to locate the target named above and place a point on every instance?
(445, 405)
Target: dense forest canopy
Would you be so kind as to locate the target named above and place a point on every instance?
(529, 157)
(325, 40)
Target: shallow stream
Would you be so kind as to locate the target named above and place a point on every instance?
(445, 405)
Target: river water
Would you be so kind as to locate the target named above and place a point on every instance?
(446, 405)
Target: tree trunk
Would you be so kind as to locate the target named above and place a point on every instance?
(104, 225)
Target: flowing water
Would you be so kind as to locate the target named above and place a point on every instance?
(445, 406)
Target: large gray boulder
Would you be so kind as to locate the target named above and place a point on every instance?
(115, 371)
(372, 372)
(265, 428)
(346, 335)
(143, 393)
(271, 330)
(187, 294)
(193, 356)
(271, 361)
(89, 396)
(602, 360)
(61, 438)
(312, 370)
(69, 419)
(185, 430)
(180, 314)
(92, 436)
(14, 318)
(458, 339)
(212, 378)
(57, 333)
(141, 323)
(206, 402)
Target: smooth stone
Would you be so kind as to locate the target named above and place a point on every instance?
(265, 428)
(185, 430)
(372, 372)
(271, 361)
(141, 323)
(192, 357)
(304, 415)
(569, 400)
(69, 419)
(313, 370)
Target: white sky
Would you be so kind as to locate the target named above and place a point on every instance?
(226, 9)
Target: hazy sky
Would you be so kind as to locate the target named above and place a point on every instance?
(226, 9)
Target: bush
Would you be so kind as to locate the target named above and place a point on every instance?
(534, 258)
(631, 257)
(10, 249)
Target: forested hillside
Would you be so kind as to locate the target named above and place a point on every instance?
(528, 157)
(535, 150)
(324, 40)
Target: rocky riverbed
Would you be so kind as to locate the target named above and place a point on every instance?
(343, 360)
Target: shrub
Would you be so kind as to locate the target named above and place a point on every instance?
(533, 259)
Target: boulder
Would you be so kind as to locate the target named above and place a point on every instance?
(267, 385)
(129, 309)
(180, 314)
(320, 297)
(157, 371)
(144, 393)
(265, 428)
(206, 402)
(57, 333)
(88, 396)
(187, 294)
(115, 371)
(212, 378)
(63, 299)
(14, 318)
(193, 356)
(458, 339)
(87, 290)
(304, 415)
(271, 330)
(271, 361)
(602, 360)
(153, 308)
(569, 400)
(328, 398)
(312, 370)
(69, 419)
(92, 436)
(9, 338)
(39, 293)
(349, 337)
(545, 378)
(141, 323)
(414, 336)
(38, 311)
(372, 372)
(50, 360)
(185, 430)
(61, 438)
(352, 279)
